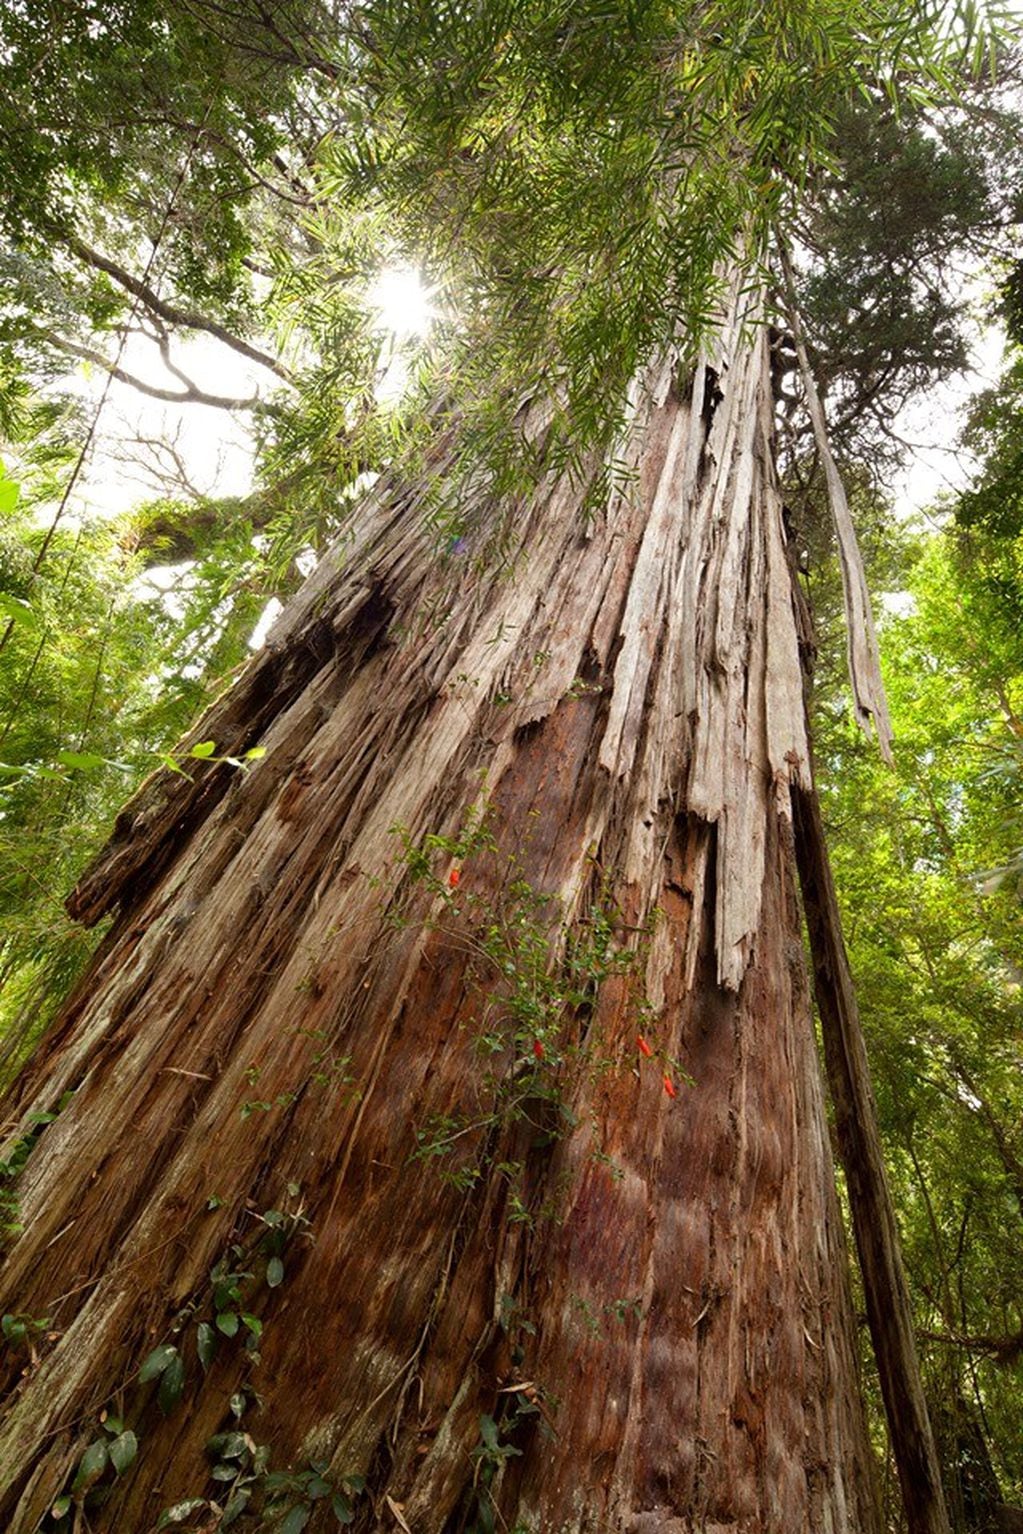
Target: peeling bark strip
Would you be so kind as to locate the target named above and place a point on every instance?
(884, 1280)
(666, 1276)
(861, 639)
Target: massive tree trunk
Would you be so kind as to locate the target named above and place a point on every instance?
(516, 1269)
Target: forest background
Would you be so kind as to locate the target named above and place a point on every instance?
(174, 172)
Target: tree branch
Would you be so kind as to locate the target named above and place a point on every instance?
(187, 318)
(192, 395)
(1002, 1350)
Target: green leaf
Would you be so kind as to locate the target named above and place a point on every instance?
(159, 1359)
(113, 1425)
(84, 761)
(9, 492)
(123, 1451)
(235, 1507)
(205, 1343)
(172, 1383)
(91, 1466)
(180, 1511)
(342, 1509)
(229, 1445)
(21, 612)
(253, 1323)
(297, 1519)
(60, 1507)
(203, 749)
(172, 765)
(224, 1292)
(227, 1322)
(274, 1272)
(254, 753)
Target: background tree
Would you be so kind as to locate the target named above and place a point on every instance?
(927, 861)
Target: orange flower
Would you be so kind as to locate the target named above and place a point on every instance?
(538, 1049)
(669, 1087)
(454, 876)
(643, 1046)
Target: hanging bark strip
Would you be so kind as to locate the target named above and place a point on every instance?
(884, 1281)
(862, 650)
(665, 1275)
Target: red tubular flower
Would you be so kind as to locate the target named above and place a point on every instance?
(454, 876)
(538, 1049)
(669, 1087)
(643, 1046)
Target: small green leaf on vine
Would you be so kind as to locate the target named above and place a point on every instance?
(90, 1468)
(123, 1451)
(172, 1383)
(180, 1511)
(205, 1343)
(157, 1361)
(343, 1510)
(235, 1507)
(297, 1519)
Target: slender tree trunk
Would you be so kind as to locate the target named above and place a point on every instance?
(873, 1217)
(516, 1271)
